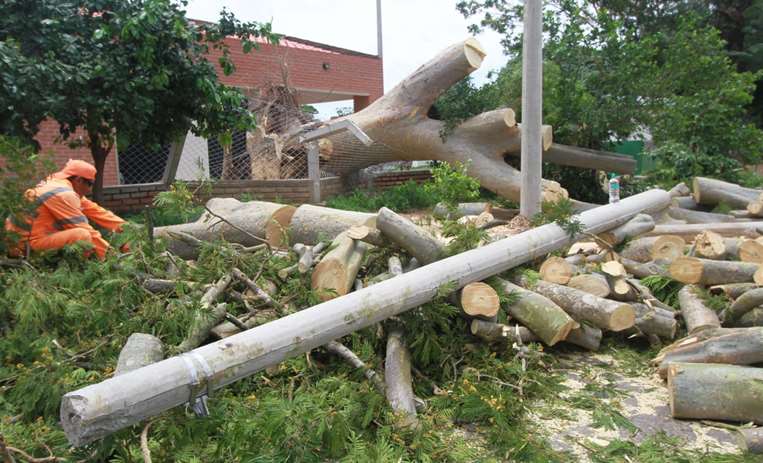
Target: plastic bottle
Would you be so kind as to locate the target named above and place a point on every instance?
(614, 189)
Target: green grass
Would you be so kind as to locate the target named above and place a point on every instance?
(400, 198)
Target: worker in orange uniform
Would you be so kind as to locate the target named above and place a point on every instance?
(63, 213)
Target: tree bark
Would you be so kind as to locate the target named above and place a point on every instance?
(397, 375)
(207, 316)
(497, 332)
(690, 216)
(752, 439)
(638, 225)
(696, 314)
(706, 272)
(716, 392)
(752, 318)
(542, 316)
(643, 270)
(479, 300)
(565, 155)
(742, 305)
(265, 220)
(312, 224)
(687, 202)
(689, 231)
(335, 273)
(639, 250)
(585, 336)
(733, 290)
(340, 350)
(557, 270)
(680, 190)
(742, 346)
(584, 307)
(100, 409)
(655, 321)
(415, 240)
(140, 350)
(592, 283)
(713, 192)
(226, 329)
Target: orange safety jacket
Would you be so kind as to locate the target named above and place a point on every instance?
(58, 209)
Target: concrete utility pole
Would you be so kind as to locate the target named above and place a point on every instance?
(378, 30)
(532, 108)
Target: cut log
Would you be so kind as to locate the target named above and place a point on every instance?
(557, 270)
(576, 259)
(100, 409)
(690, 216)
(585, 336)
(646, 269)
(613, 269)
(418, 242)
(742, 346)
(335, 273)
(544, 318)
(689, 231)
(622, 290)
(680, 190)
(713, 192)
(398, 379)
(268, 221)
(371, 236)
(639, 250)
(565, 155)
(706, 272)
(207, 316)
(593, 283)
(696, 314)
(687, 202)
(733, 290)
(742, 305)
(586, 247)
(755, 208)
(710, 245)
(340, 350)
(638, 225)
(751, 439)
(499, 333)
(140, 350)
(655, 321)
(442, 211)
(668, 247)
(752, 318)
(313, 224)
(751, 251)
(307, 258)
(584, 307)
(716, 392)
(663, 218)
(480, 300)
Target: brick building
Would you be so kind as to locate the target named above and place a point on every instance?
(317, 72)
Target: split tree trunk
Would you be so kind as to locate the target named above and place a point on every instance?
(741, 346)
(716, 392)
(100, 409)
(268, 221)
(418, 242)
(399, 125)
(696, 314)
(140, 350)
(397, 375)
(602, 313)
(312, 224)
(335, 273)
(707, 272)
(544, 318)
(712, 192)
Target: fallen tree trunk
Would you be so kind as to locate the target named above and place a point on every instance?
(585, 336)
(716, 392)
(741, 346)
(638, 225)
(565, 155)
(691, 216)
(335, 273)
(707, 272)
(418, 242)
(696, 314)
(496, 332)
(140, 350)
(742, 305)
(99, 409)
(689, 231)
(584, 307)
(312, 224)
(264, 220)
(712, 192)
(544, 318)
(398, 379)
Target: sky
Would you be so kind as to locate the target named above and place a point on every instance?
(413, 31)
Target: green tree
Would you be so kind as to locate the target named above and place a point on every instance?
(120, 70)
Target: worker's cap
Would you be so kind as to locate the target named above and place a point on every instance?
(77, 168)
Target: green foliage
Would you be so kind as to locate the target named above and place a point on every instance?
(400, 198)
(464, 236)
(20, 169)
(179, 204)
(657, 449)
(451, 184)
(560, 212)
(120, 71)
(462, 101)
(664, 288)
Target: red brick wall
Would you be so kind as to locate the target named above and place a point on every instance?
(389, 179)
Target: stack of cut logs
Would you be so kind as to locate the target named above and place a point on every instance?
(577, 297)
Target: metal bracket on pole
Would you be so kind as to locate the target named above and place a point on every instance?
(313, 155)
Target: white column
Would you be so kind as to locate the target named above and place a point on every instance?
(532, 108)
